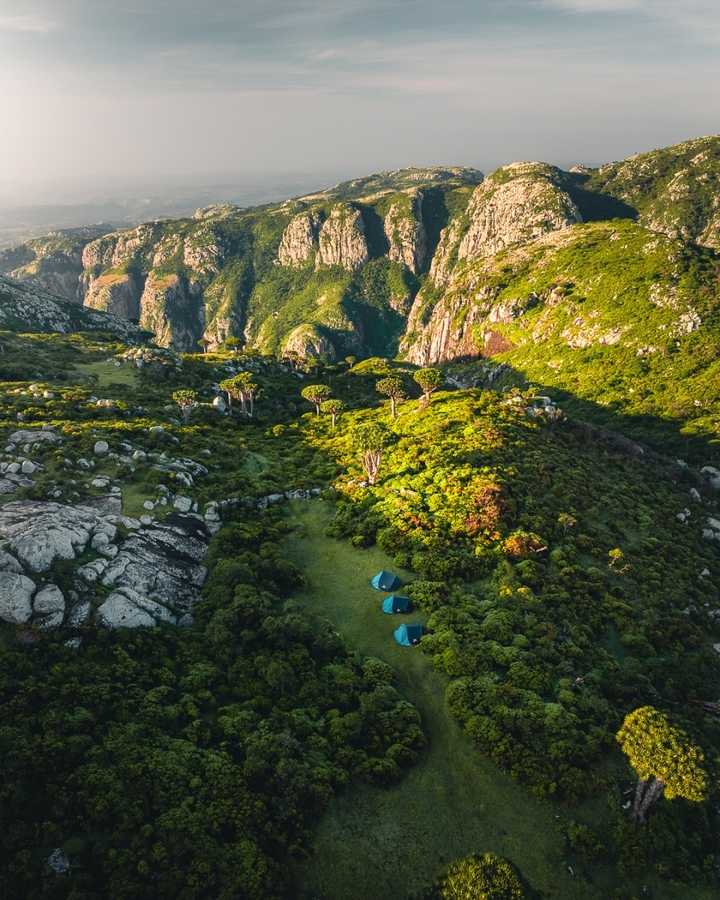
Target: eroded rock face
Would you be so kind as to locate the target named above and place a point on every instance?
(116, 294)
(300, 240)
(52, 263)
(342, 239)
(515, 211)
(405, 232)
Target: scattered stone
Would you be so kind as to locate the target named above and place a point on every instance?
(58, 861)
(101, 448)
(28, 467)
(182, 504)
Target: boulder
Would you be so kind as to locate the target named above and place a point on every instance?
(34, 437)
(120, 612)
(16, 593)
(49, 605)
(101, 448)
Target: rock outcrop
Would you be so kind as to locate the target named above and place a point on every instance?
(405, 232)
(342, 239)
(307, 341)
(299, 242)
(154, 574)
(515, 205)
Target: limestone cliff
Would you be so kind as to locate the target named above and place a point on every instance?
(518, 203)
(300, 240)
(117, 293)
(170, 308)
(405, 232)
(342, 240)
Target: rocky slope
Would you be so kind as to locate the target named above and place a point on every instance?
(675, 190)
(52, 263)
(25, 308)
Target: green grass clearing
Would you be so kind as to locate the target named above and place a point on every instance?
(105, 374)
(392, 842)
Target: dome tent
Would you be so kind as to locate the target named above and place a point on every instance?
(395, 603)
(385, 581)
(408, 635)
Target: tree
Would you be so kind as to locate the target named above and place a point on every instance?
(232, 343)
(428, 380)
(371, 439)
(248, 388)
(241, 387)
(481, 877)
(392, 387)
(664, 759)
(187, 401)
(333, 408)
(315, 394)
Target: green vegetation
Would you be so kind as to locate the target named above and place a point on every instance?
(607, 317)
(485, 877)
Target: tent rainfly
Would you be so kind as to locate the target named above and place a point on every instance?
(408, 635)
(396, 604)
(385, 581)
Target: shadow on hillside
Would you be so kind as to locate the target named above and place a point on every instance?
(596, 206)
(635, 434)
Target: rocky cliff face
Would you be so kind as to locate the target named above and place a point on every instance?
(26, 308)
(342, 239)
(118, 294)
(405, 232)
(514, 206)
(300, 240)
(306, 341)
(170, 307)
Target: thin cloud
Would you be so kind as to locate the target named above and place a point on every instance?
(701, 17)
(26, 24)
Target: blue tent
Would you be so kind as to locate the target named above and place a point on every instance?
(408, 635)
(396, 604)
(385, 581)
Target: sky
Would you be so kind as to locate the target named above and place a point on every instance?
(102, 94)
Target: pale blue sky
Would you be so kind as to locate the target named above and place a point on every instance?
(125, 89)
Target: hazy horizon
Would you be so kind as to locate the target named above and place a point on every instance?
(103, 101)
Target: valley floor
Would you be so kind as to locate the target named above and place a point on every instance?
(378, 843)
